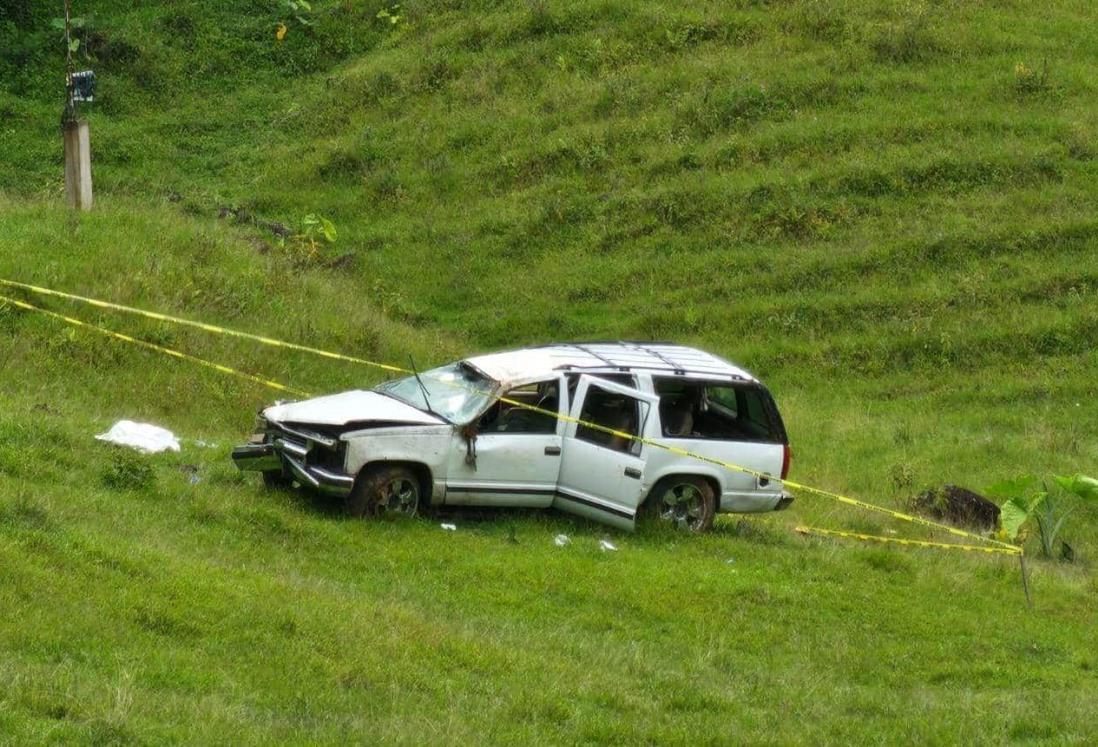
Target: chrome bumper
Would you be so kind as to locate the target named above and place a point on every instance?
(256, 458)
(289, 458)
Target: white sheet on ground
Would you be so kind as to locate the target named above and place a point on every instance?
(151, 439)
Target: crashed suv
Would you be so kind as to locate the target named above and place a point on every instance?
(540, 427)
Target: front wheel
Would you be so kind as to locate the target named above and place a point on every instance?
(387, 491)
(686, 502)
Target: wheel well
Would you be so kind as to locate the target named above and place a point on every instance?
(709, 479)
(419, 469)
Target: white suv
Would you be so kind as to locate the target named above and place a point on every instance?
(444, 437)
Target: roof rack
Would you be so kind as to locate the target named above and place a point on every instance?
(593, 354)
(675, 367)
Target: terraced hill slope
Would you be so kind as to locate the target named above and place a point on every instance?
(886, 210)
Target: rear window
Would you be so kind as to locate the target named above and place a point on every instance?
(718, 410)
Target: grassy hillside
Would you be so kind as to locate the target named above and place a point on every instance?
(883, 209)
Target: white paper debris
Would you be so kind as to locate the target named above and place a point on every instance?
(606, 545)
(449, 527)
(561, 540)
(150, 439)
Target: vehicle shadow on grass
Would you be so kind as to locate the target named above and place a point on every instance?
(332, 507)
(508, 520)
(753, 530)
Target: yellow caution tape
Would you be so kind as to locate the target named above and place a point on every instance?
(1009, 548)
(157, 348)
(202, 326)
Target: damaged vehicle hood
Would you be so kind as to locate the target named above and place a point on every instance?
(350, 407)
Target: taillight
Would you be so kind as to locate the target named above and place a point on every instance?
(787, 457)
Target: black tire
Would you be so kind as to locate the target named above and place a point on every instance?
(685, 501)
(276, 479)
(385, 492)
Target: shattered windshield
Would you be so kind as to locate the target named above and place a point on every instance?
(456, 392)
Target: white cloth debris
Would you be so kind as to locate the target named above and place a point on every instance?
(606, 545)
(561, 540)
(449, 527)
(150, 439)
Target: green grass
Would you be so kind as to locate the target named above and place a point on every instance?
(869, 205)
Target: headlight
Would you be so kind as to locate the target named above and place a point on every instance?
(260, 422)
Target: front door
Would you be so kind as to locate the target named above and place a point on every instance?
(602, 473)
(515, 458)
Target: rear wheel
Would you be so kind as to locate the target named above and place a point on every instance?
(385, 491)
(687, 502)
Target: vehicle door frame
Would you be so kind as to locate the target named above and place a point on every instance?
(464, 486)
(598, 481)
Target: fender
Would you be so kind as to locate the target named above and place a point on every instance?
(710, 472)
(427, 446)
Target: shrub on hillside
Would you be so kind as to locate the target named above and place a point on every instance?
(128, 470)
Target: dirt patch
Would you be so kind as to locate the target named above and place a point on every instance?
(958, 506)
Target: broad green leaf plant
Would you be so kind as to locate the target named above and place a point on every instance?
(301, 10)
(76, 23)
(314, 230)
(1029, 501)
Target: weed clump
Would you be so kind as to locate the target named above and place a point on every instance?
(910, 40)
(128, 471)
(1029, 81)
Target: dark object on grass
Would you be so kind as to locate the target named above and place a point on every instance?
(958, 506)
(240, 215)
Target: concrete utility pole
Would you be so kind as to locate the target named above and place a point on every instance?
(78, 178)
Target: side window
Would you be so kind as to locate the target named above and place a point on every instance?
(717, 410)
(508, 417)
(615, 411)
(725, 397)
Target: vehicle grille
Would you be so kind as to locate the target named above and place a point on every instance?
(317, 454)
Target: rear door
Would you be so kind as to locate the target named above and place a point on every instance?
(602, 473)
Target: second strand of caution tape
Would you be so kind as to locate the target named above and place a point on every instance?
(1000, 546)
(158, 348)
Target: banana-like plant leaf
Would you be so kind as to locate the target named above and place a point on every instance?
(1080, 485)
(1013, 516)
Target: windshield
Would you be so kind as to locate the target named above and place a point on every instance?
(456, 392)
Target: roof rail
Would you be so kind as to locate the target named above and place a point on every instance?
(676, 368)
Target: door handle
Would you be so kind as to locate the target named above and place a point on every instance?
(633, 472)
(552, 451)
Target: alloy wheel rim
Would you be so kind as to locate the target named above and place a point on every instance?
(399, 496)
(682, 505)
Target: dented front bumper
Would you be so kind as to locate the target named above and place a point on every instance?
(309, 462)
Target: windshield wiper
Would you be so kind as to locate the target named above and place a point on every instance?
(422, 388)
